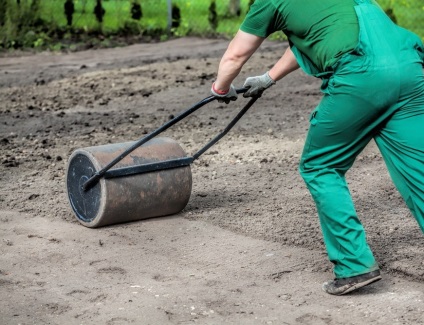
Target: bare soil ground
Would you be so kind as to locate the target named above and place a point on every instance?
(247, 249)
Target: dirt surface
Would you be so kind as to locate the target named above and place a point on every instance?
(247, 249)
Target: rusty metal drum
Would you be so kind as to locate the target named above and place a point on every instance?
(132, 197)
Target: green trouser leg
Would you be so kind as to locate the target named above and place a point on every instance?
(401, 142)
(376, 91)
(340, 128)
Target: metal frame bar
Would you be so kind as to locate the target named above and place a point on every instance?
(167, 164)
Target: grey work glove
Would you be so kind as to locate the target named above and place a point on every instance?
(226, 97)
(257, 85)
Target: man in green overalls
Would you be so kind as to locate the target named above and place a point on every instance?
(373, 88)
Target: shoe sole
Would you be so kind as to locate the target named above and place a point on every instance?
(362, 284)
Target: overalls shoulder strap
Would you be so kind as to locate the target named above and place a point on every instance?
(373, 23)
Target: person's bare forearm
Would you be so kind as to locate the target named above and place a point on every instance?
(228, 70)
(285, 65)
(238, 52)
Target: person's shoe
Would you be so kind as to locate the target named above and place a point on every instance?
(345, 285)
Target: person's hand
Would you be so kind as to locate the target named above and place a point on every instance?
(224, 96)
(257, 85)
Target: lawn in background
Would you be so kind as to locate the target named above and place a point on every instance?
(23, 28)
(408, 13)
(194, 16)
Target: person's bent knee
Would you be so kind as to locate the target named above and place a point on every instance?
(307, 173)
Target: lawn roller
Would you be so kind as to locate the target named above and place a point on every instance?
(151, 177)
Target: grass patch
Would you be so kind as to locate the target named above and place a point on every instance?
(40, 23)
(407, 13)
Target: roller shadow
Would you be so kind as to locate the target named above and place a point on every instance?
(212, 199)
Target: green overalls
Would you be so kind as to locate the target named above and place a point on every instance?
(374, 92)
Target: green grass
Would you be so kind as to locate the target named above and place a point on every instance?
(409, 13)
(117, 12)
(194, 16)
(194, 13)
(117, 19)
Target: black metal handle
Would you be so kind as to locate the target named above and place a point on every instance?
(170, 163)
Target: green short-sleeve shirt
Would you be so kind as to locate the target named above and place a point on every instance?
(322, 30)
